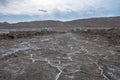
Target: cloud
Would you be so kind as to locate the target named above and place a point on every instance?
(60, 9)
(42, 10)
(35, 7)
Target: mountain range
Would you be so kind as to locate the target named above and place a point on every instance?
(104, 22)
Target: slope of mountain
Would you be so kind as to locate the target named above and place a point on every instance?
(93, 22)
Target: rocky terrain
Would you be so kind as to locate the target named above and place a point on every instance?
(88, 55)
(90, 52)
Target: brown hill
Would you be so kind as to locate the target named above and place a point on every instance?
(106, 22)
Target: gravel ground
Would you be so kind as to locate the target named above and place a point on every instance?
(61, 56)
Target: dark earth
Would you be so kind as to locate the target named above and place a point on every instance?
(90, 55)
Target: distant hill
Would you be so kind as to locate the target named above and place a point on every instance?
(90, 23)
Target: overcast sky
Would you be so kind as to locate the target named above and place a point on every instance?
(30, 10)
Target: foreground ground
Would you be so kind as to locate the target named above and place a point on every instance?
(60, 56)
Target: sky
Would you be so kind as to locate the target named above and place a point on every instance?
(13, 11)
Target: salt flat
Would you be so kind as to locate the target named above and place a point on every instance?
(61, 56)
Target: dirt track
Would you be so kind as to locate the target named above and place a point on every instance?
(65, 56)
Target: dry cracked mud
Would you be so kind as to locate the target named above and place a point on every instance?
(65, 56)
